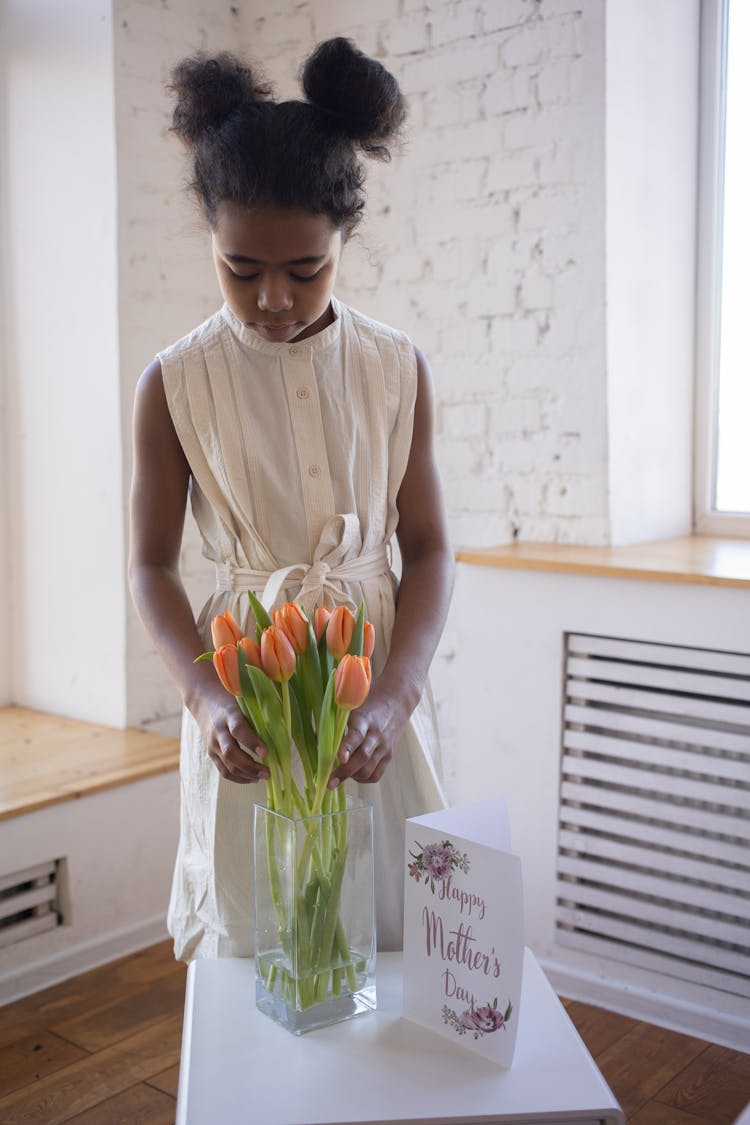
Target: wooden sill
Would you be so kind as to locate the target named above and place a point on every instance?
(693, 559)
(46, 759)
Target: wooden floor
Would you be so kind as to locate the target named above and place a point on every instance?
(104, 1049)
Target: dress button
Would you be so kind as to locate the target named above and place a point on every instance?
(314, 470)
(303, 392)
(293, 351)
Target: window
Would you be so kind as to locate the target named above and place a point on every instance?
(722, 472)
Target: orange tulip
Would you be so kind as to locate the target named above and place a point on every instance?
(225, 630)
(352, 681)
(277, 654)
(339, 631)
(227, 667)
(368, 641)
(292, 621)
(320, 620)
(251, 650)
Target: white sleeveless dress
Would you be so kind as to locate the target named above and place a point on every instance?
(297, 452)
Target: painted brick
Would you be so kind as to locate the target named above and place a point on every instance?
(550, 210)
(480, 529)
(526, 495)
(515, 417)
(536, 290)
(504, 14)
(403, 267)
(480, 495)
(447, 67)
(462, 181)
(494, 219)
(507, 91)
(554, 82)
(406, 36)
(284, 30)
(575, 496)
(461, 458)
(451, 24)
(456, 420)
(510, 335)
(338, 17)
(492, 297)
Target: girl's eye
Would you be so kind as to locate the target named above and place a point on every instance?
(244, 276)
(301, 277)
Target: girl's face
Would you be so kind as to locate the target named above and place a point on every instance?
(276, 268)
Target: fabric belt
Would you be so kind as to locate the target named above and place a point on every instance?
(337, 559)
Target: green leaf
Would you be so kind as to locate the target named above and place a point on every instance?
(310, 674)
(325, 658)
(204, 656)
(262, 616)
(270, 704)
(358, 636)
(326, 728)
(252, 709)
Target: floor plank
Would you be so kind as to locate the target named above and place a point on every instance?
(167, 1081)
(640, 1063)
(656, 1113)
(105, 1024)
(32, 1058)
(138, 1105)
(715, 1085)
(86, 1083)
(74, 997)
(598, 1028)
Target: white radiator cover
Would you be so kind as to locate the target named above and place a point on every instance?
(654, 824)
(509, 630)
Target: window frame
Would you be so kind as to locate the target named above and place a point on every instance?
(713, 40)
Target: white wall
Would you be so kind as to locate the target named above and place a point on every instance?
(64, 446)
(652, 72)
(6, 640)
(511, 724)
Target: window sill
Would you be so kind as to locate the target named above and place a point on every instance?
(694, 559)
(46, 759)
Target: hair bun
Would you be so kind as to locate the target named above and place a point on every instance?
(209, 89)
(358, 92)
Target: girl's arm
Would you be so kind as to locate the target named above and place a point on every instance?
(421, 608)
(157, 507)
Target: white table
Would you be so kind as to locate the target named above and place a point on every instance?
(240, 1068)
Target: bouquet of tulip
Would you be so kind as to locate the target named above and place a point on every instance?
(296, 682)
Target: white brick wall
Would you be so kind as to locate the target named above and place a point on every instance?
(480, 240)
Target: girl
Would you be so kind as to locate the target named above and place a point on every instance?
(302, 431)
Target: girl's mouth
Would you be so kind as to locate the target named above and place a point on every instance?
(278, 332)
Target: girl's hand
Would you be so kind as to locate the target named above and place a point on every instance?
(231, 743)
(369, 743)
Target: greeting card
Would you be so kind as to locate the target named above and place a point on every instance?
(463, 927)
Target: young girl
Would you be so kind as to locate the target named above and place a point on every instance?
(302, 431)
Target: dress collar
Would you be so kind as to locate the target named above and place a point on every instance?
(314, 343)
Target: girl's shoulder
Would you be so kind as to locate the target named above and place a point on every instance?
(389, 341)
(196, 340)
(363, 323)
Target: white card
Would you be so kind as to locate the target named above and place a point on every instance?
(463, 928)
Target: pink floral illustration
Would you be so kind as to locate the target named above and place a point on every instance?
(438, 861)
(435, 862)
(478, 1021)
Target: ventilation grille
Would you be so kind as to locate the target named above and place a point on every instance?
(29, 902)
(654, 835)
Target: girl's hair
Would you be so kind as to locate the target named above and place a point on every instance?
(249, 149)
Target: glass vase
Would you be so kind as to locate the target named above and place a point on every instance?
(314, 916)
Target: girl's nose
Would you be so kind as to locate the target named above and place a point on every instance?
(274, 296)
